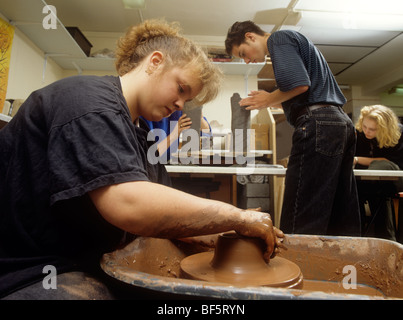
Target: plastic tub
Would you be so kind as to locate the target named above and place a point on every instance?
(332, 268)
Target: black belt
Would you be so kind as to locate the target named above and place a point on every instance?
(304, 110)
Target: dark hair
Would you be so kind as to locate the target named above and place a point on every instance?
(236, 34)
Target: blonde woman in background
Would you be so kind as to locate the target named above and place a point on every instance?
(74, 176)
(379, 147)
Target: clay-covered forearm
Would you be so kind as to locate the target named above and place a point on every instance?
(154, 210)
(150, 209)
(209, 240)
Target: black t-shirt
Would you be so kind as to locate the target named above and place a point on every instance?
(297, 62)
(67, 139)
(370, 148)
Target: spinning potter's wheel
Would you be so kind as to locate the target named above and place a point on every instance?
(239, 261)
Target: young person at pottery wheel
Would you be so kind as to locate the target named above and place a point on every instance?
(74, 175)
(320, 195)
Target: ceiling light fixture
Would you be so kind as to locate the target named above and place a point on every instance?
(349, 20)
(384, 15)
(134, 4)
(396, 90)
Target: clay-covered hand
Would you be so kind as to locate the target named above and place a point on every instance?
(259, 225)
(279, 242)
(279, 237)
(256, 100)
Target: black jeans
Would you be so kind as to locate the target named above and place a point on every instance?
(320, 194)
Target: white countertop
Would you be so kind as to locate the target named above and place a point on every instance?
(378, 173)
(266, 170)
(277, 170)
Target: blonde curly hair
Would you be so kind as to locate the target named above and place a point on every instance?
(157, 35)
(388, 132)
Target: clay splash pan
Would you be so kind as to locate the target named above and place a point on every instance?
(332, 268)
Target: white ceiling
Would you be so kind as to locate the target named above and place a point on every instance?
(361, 50)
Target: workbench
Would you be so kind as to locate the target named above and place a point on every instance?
(190, 171)
(276, 170)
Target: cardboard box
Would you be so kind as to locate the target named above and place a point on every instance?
(261, 137)
(255, 190)
(254, 195)
(253, 203)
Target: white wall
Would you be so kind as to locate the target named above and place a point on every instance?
(220, 108)
(26, 68)
(27, 63)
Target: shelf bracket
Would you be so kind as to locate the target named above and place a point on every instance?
(246, 78)
(45, 62)
(79, 69)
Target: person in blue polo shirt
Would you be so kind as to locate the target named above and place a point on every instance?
(320, 191)
(167, 138)
(171, 127)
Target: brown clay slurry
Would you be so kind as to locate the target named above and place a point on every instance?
(239, 260)
(321, 260)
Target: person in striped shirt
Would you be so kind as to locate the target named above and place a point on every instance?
(320, 194)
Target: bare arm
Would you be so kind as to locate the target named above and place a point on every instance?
(183, 123)
(365, 161)
(264, 99)
(149, 209)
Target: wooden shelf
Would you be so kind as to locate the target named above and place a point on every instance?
(27, 16)
(267, 85)
(89, 63)
(266, 72)
(266, 79)
(240, 68)
(58, 44)
(107, 64)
